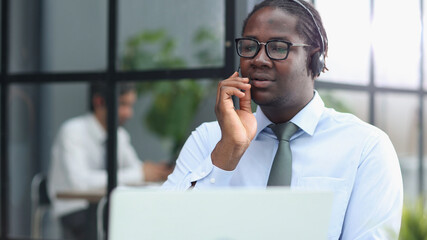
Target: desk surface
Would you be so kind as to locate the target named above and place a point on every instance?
(94, 196)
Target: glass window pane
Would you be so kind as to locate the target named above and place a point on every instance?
(74, 35)
(166, 112)
(190, 100)
(22, 160)
(396, 58)
(424, 149)
(76, 177)
(24, 35)
(171, 34)
(354, 102)
(424, 47)
(397, 115)
(36, 114)
(40, 112)
(349, 40)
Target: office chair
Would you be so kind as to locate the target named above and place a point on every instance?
(40, 203)
(100, 215)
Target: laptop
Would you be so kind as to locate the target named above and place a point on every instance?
(226, 214)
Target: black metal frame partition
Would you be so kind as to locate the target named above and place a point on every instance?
(4, 191)
(112, 77)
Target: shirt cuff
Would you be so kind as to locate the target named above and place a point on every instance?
(210, 176)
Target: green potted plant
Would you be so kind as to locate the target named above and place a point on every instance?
(174, 102)
(414, 222)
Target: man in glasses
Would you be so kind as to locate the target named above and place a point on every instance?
(293, 139)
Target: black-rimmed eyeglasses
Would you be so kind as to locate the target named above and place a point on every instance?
(275, 49)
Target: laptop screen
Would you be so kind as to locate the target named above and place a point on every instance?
(273, 213)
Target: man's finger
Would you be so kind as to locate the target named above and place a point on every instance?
(235, 74)
(245, 101)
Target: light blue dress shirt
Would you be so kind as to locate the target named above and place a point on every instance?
(332, 151)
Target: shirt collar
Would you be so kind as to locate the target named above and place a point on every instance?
(262, 121)
(306, 119)
(96, 128)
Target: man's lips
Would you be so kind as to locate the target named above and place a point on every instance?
(260, 81)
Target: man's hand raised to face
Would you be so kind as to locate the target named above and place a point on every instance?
(238, 126)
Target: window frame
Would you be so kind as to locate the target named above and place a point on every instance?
(111, 75)
(114, 76)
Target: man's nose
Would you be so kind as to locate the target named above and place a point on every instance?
(262, 59)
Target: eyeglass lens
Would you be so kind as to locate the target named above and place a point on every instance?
(275, 49)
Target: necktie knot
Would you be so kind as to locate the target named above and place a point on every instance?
(284, 131)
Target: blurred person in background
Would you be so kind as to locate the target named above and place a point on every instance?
(78, 158)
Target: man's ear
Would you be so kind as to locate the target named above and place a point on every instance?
(317, 62)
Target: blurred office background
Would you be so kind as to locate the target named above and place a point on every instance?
(176, 51)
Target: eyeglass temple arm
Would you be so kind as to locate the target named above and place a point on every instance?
(300, 45)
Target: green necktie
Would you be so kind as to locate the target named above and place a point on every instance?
(281, 171)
